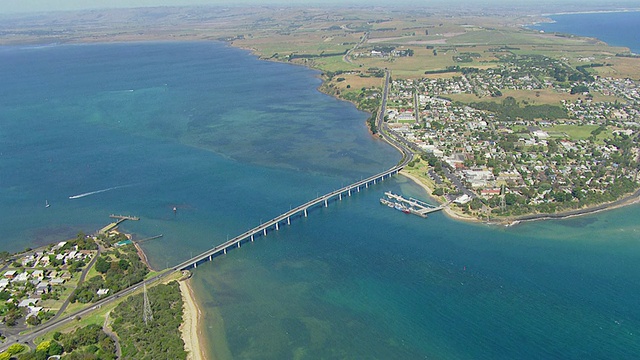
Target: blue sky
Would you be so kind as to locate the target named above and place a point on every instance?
(13, 6)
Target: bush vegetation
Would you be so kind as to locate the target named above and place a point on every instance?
(161, 338)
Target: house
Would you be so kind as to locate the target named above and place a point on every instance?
(42, 288)
(27, 302)
(57, 281)
(4, 283)
(102, 292)
(462, 199)
(33, 311)
(489, 192)
(38, 274)
(22, 277)
(66, 275)
(10, 274)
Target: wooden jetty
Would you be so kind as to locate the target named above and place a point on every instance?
(147, 239)
(113, 225)
(124, 217)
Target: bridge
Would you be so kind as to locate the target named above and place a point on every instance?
(250, 235)
(324, 200)
(276, 223)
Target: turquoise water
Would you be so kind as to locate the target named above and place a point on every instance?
(615, 28)
(232, 141)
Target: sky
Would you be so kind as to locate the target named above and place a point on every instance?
(17, 6)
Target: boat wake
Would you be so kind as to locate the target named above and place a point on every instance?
(97, 192)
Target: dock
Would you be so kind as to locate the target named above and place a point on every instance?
(113, 225)
(147, 239)
(411, 205)
(124, 217)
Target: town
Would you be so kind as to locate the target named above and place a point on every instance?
(512, 157)
(37, 285)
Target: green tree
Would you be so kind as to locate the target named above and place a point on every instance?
(102, 265)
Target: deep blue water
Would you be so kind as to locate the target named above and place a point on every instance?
(231, 141)
(616, 28)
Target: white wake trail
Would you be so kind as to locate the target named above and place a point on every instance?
(97, 192)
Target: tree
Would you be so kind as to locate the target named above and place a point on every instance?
(102, 265)
(123, 264)
(33, 320)
(55, 349)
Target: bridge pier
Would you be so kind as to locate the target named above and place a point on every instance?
(305, 212)
(325, 203)
(277, 227)
(239, 243)
(349, 191)
(340, 196)
(366, 185)
(288, 220)
(251, 237)
(265, 231)
(210, 257)
(195, 265)
(224, 251)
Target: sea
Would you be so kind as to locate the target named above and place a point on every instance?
(614, 28)
(231, 141)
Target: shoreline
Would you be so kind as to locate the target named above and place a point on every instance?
(631, 199)
(447, 210)
(191, 323)
(142, 256)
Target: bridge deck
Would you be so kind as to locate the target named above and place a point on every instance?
(275, 222)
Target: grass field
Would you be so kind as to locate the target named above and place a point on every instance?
(357, 82)
(577, 132)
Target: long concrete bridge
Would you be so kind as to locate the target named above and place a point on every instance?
(303, 210)
(285, 219)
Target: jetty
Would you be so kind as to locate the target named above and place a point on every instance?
(147, 239)
(124, 217)
(411, 205)
(113, 225)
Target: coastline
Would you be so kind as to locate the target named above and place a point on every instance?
(630, 199)
(447, 210)
(592, 12)
(191, 323)
(143, 256)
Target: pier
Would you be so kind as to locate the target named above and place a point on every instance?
(124, 217)
(113, 225)
(147, 239)
(413, 206)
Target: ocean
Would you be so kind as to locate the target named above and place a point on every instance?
(614, 28)
(231, 141)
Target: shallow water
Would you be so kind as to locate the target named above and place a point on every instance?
(231, 141)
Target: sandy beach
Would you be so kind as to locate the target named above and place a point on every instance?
(447, 209)
(190, 328)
